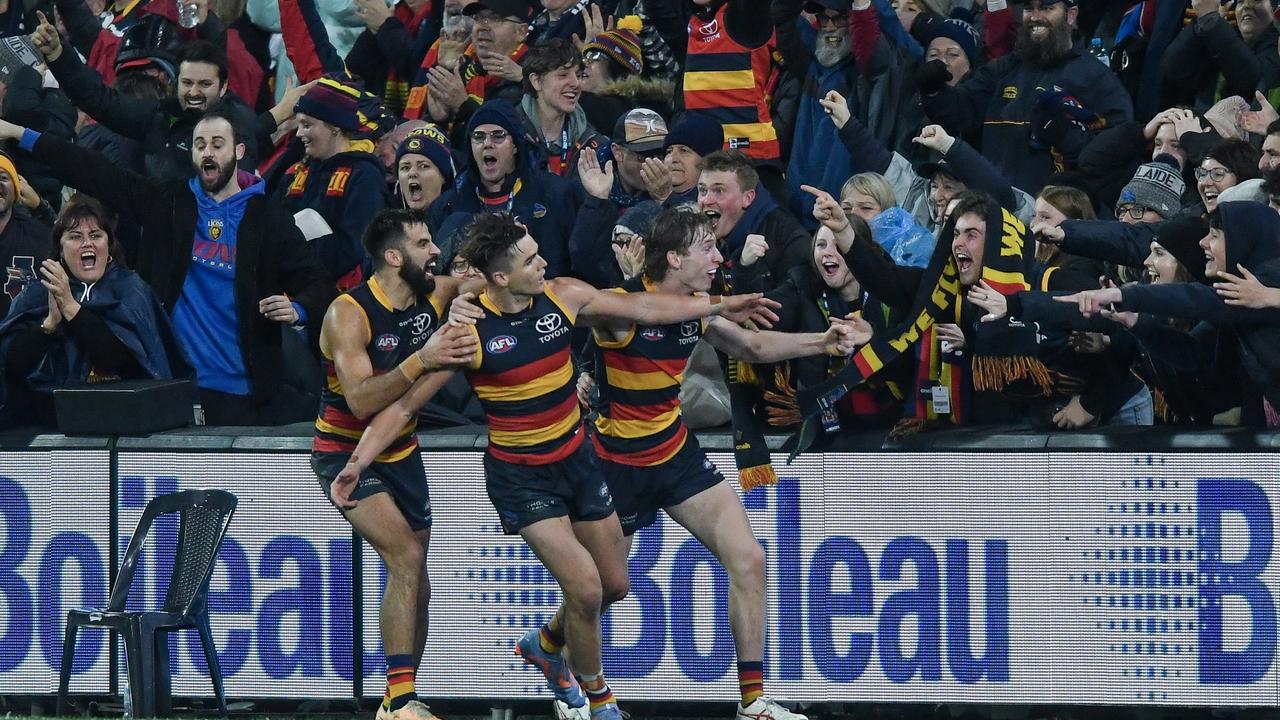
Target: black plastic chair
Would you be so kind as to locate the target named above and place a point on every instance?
(203, 519)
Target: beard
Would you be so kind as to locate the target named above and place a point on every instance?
(221, 179)
(417, 279)
(828, 55)
(1054, 47)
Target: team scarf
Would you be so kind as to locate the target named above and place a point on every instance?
(939, 299)
(478, 83)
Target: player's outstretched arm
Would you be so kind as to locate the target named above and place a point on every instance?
(840, 340)
(596, 306)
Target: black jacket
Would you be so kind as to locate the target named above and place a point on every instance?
(271, 256)
(1000, 98)
(24, 244)
(162, 126)
(1210, 52)
(1252, 232)
(807, 303)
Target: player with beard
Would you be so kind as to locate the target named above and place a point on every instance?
(383, 344)
(1036, 108)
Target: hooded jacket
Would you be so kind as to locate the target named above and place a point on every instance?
(1252, 237)
(126, 306)
(544, 203)
(562, 150)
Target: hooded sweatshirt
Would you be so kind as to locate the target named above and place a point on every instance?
(205, 318)
(1252, 232)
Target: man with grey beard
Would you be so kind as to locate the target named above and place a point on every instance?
(1036, 108)
(823, 60)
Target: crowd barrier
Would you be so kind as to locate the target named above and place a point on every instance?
(1020, 568)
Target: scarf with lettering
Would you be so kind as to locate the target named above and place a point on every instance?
(938, 300)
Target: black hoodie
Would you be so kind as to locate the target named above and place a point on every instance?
(1252, 232)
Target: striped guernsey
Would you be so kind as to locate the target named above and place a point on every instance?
(639, 379)
(524, 377)
(393, 335)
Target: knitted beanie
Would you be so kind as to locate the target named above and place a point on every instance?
(622, 44)
(432, 144)
(333, 102)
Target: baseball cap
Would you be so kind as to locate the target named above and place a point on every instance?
(640, 130)
(929, 169)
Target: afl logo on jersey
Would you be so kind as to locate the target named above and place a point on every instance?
(387, 342)
(501, 344)
(654, 334)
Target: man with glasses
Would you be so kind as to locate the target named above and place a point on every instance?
(489, 69)
(1036, 108)
(1154, 194)
(824, 60)
(501, 176)
(637, 154)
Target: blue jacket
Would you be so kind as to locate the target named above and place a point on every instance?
(546, 204)
(347, 190)
(130, 309)
(817, 156)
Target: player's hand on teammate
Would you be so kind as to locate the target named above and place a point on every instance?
(449, 346)
(753, 307)
(585, 385)
(465, 310)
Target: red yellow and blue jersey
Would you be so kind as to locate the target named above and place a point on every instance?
(730, 84)
(393, 334)
(523, 375)
(639, 379)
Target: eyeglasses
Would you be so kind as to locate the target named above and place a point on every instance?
(594, 55)
(459, 267)
(1135, 212)
(1218, 174)
(836, 21)
(497, 136)
(490, 18)
(622, 238)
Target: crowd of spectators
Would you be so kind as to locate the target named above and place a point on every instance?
(1052, 213)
